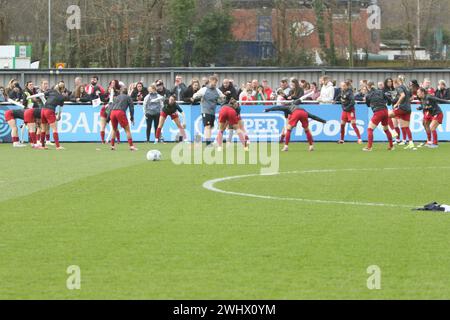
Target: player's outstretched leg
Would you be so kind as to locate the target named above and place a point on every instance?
(370, 140)
(113, 139)
(219, 140)
(358, 133)
(390, 138)
(343, 125)
(162, 120)
(130, 139)
(287, 139)
(433, 128)
(310, 139)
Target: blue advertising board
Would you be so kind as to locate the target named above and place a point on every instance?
(81, 123)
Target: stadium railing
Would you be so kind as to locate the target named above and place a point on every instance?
(243, 103)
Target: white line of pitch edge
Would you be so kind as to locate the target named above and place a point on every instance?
(210, 185)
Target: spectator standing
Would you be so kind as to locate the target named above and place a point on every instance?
(131, 88)
(43, 88)
(228, 90)
(139, 93)
(313, 93)
(427, 86)
(255, 85)
(153, 104)
(337, 91)
(10, 87)
(244, 90)
(248, 98)
(304, 84)
(193, 88)
(29, 91)
(284, 85)
(296, 91)
(267, 89)
(179, 88)
(205, 82)
(261, 94)
(327, 92)
(162, 90)
(362, 93)
(80, 95)
(77, 82)
(93, 86)
(363, 83)
(16, 92)
(442, 91)
(63, 90)
(389, 89)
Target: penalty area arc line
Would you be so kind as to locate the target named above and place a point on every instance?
(210, 185)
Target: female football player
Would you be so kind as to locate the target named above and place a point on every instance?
(118, 115)
(228, 116)
(107, 98)
(348, 111)
(10, 117)
(391, 94)
(171, 109)
(49, 117)
(296, 115)
(430, 104)
(377, 100)
(32, 119)
(241, 125)
(402, 110)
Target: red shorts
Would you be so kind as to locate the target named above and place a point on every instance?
(427, 116)
(439, 118)
(48, 116)
(173, 116)
(403, 115)
(119, 117)
(381, 116)
(103, 113)
(28, 116)
(9, 115)
(348, 116)
(299, 116)
(229, 115)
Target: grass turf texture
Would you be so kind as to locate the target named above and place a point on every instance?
(144, 230)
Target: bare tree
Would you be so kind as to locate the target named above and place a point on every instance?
(410, 29)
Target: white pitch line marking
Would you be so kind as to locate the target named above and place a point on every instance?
(210, 185)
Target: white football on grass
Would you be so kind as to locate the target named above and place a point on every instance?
(154, 155)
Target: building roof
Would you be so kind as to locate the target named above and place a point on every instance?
(259, 4)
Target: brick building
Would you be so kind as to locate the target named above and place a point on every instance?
(262, 22)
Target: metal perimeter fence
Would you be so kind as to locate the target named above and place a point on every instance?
(239, 75)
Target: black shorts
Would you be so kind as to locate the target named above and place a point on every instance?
(208, 120)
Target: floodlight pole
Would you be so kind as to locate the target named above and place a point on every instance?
(49, 34)
(350, 34)
(419, 40)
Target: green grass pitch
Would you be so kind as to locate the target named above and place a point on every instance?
(144, 230)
